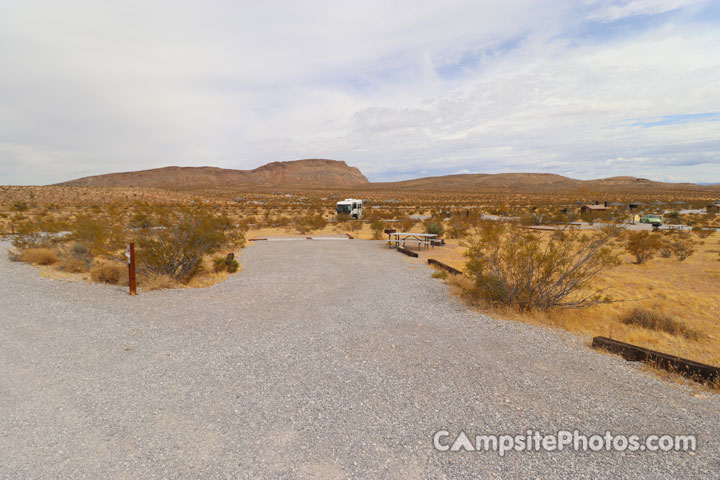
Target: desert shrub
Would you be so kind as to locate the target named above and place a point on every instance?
(140, 220)
(702, 232)
(111, 273)
(39, 256)
(225, 263)
(407, 224)
(531, 218)
(683, 246)
(458, 226)
(309, 223)
(20, 206)
(177, 249)
(156, 282)
(281, 221)
(665, 249)
(79, 249)
(232, 265)
(353, 225)
(643, 245)
(377, 227)
(658, 321)
(434, 227)
(441, 274)
(512, 266)
(92, 231)
(673, 217)
(71, 265)
(342, 217)
(29, 236)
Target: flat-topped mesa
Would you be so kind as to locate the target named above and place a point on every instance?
(303, 173)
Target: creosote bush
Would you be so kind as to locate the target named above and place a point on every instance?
(377, 227)
(515, 267)
(185, 237)
(643, 245)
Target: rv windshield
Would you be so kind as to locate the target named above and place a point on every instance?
(343, 209)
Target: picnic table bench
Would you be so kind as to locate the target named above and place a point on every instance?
(422, 240)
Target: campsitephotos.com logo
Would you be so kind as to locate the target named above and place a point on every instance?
(536, 441)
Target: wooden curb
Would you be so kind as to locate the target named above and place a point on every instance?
(257, 239)
(672, 363)
(447, 268)
(407, 252)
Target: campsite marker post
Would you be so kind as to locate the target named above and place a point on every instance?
(130, 254)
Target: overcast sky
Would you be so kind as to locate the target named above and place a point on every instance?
(399, 89)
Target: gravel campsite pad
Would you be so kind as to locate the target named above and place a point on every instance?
(320, 359)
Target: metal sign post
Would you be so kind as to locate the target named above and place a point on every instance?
(130, 254)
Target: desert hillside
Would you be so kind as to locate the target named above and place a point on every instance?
(323, 174)
(535, 183)
(305, 173)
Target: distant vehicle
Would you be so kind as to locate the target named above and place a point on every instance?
(350, 206)
(655, 220)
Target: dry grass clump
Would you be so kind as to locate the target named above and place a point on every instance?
(39, 256)
(441, 274)
(71, 265)
(658, 321)
(157, 282)
(112, 273)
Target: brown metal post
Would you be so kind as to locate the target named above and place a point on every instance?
(131, 267)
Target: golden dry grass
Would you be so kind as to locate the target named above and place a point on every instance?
(688, 292)
(71, 265)
(39, 256)
(156, 282)
(112, 273)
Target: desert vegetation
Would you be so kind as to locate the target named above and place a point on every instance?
(532, 256)
(174, 243)
(514, 267)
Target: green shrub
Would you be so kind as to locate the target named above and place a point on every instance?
(442, 274)
(232, 265)
(377, 227)
(20, 206)
(643, 245)
(186, 236)
(79, 249)
(434, 227)
(224, 263)
(92, 231)
(512, 266)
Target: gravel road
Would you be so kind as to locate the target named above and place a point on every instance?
(321, 359)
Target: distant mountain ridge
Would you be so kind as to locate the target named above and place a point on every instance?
(322, 173)
(305, 173)
(532, 183)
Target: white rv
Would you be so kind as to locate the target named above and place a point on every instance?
(350, 206)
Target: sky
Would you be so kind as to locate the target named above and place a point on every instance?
(401, 89)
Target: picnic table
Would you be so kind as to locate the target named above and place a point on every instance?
(422, 240)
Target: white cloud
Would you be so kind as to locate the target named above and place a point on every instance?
(391, 87)
(610, 10)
